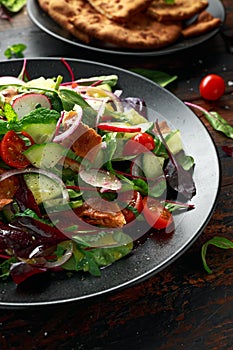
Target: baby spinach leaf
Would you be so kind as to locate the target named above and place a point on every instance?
(70, 98)
(158, 77)
(215, 120)
(219, 242)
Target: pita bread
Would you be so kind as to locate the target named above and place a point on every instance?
(63, 13)
(178, 11)
(204, 23)
(44, 4)
(120, 10)
(141, 32)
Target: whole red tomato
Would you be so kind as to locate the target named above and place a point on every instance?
(212, 87)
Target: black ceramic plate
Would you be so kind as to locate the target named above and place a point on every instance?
(45, 23)
(154, 255)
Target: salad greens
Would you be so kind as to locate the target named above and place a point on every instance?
(215, 120)
(13, 5)
(219, 124)
(80, 165)
(161, 78)
(15, 50)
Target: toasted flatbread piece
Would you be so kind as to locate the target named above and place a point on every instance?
(141, 32)
(120, 10)
(63, 13)
(205, 22)
(102, 213)
(44, 4)
(178, 11)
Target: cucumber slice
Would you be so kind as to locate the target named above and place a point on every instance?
(45, 155)
(40, 133)
(42, 187)
(152, 165)
(174, 141)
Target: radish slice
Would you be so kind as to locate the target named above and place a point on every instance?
(10, 80)
(114, 127)
(100, 178)
(26, 103)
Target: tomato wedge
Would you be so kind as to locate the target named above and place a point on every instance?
(156, 215)
(134, 204)
(11, 150)
(118, 127)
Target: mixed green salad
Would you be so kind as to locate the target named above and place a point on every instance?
(84, 175)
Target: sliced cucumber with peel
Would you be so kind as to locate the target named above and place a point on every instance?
(45, 155)
(41, 132)
(42, 187)
(152, 165)
(174, 141)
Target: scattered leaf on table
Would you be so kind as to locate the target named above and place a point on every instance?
(217, 241)
(158, 77)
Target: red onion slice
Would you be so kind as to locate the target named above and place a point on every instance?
(115, 99)
(10, 80)
(41, 261)
(72, 125)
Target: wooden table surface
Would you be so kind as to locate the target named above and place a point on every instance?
(181, 307)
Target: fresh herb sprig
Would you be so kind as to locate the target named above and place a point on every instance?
(15, 51)
(13, 5)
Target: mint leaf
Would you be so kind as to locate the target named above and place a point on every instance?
(15, 50)
(13, 5)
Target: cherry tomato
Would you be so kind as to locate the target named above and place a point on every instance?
(156, 215)
(139, 143)
(212, 87)
(134, 205)
(11, 150)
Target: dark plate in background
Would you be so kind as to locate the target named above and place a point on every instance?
(45, 23)
(154, 255)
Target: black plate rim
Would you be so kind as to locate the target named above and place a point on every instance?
(33, 7)
(164, 264)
